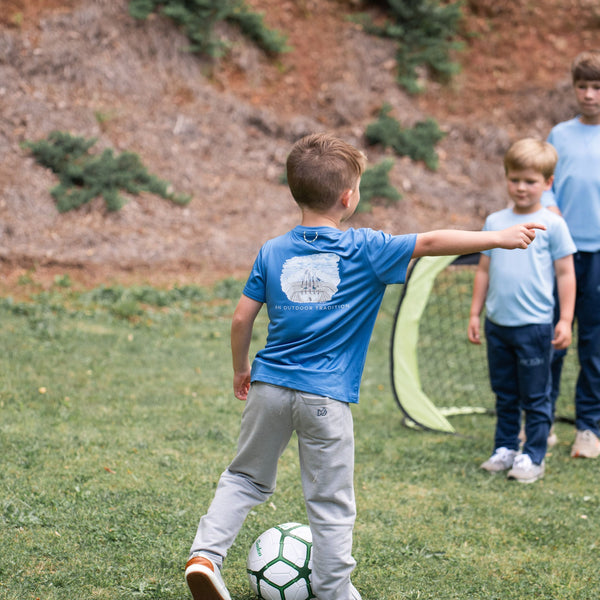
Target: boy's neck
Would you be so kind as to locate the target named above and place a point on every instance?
(589, 120)
(314, 219)
(529, 210)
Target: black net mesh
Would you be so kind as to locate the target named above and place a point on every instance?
(453, 372)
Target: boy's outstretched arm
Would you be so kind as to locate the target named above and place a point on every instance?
(565, 285)
(241, 334)
(449, 241)
(480, 288)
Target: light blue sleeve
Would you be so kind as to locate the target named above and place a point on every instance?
(255, 287)
(390, 255)
(562, 242)
(548, 199)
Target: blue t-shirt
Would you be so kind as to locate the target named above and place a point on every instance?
(323, 288)
(576, 187)
(521, 282)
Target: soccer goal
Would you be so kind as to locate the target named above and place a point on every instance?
(436, 372)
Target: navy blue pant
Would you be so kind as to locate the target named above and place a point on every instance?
(587, 313)
(519, 364)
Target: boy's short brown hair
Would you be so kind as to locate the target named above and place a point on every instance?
(531, 153)
(320, 168)
(586, 66)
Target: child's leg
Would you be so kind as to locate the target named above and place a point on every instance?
(534, 351)
(250, 479)
(502, 363)
(587, 312)
(556, 367)
(326, 448)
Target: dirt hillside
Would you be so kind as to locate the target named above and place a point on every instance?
(220, 129)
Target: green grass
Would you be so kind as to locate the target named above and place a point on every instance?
(117, 418)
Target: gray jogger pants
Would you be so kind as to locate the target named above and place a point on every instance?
(326, 450)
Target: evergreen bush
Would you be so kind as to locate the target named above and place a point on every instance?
(375, 184)
(253, 26)
(199, 17)
(83, 176)
(417, 142)
(425, 31)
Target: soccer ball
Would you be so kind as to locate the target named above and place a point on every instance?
(279, 563)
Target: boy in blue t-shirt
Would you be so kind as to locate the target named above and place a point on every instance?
(518, 291)
(322, 287)
(576, 195)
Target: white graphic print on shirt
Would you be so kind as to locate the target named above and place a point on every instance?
(311, 278)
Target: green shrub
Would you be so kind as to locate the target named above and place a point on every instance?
(198, 18)
(83, 176)
(375, 184)
(417, 142)
(253, 26)
(425, 31)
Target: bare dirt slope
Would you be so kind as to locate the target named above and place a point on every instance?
(220, 130)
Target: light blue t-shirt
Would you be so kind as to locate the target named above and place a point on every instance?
(521, 282)
(576, 188)
(323, 288)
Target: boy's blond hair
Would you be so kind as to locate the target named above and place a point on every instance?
(531, 153)
(586, 66)
(320, 168)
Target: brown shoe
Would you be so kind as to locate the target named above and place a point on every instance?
(204, 580)
(587, 445)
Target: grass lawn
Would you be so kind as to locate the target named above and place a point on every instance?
(117, 418)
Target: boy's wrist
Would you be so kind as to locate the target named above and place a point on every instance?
(241, 370)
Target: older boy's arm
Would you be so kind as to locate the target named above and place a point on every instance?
(241, 333)
(565, 285)
(480, 288)
(448, 241)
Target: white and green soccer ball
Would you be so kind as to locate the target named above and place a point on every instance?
(280, 562)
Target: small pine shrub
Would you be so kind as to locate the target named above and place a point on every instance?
(83, 176)
(375, 184)
(253, 26)
(418, 142)
(425, 31)
(199, 17)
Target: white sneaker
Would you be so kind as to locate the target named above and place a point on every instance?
(501, 460)
(587, 445)
(525, 470)
(204, 580)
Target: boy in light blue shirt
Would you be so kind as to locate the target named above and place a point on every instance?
(518, 291)
(575, 194)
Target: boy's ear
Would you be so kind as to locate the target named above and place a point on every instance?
(549, 182)
(345, 198)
